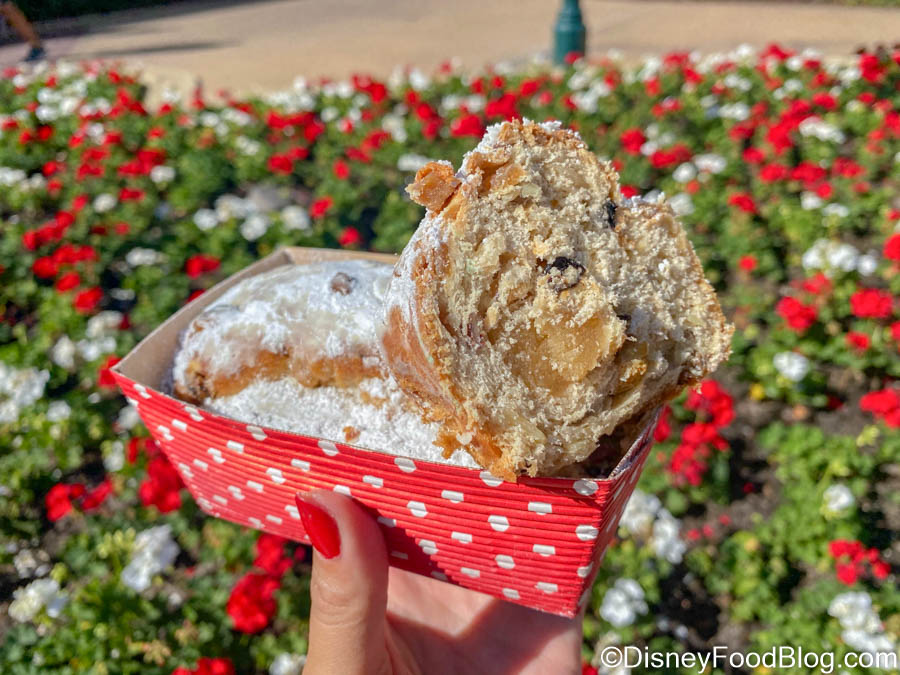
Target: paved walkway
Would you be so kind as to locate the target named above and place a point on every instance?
(262, 45)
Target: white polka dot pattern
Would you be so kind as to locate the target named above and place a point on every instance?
(405, 464)
(453, 496)
(498, 523)
(537, 542)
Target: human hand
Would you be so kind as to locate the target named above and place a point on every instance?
(367, 618)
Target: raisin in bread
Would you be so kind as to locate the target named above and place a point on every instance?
(534, 310)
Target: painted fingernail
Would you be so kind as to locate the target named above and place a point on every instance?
(320, 526)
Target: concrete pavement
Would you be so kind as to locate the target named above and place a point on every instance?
(263, 45)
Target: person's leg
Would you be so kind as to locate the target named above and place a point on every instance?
(20, 24)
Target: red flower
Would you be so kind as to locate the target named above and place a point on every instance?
(895, 331)
(162, 488)
(858, 341)
(847, 573)
(45, 267)
(105, 378)
(280, 164)
(349, 237)
(467, 125)
(94, 498)
(504, 107)
(892, 247)
(771, 173)
(270, 555)
(251, 605)
(799, 317)
(870, 303)
(320, 207)
(200, 264)
(664, 426)
(747, 263)
(341, 169)
(207, 666)
(130, 195)
(632, 140)
(87, 300)
(743, 201)
(818, 284)
(58, 501)
(753, 155)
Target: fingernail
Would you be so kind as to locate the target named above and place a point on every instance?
(320, 526)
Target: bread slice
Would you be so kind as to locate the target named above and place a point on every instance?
(534, 310)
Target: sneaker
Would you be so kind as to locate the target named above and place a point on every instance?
(35, 54)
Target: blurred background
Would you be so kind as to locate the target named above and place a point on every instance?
(248, 46)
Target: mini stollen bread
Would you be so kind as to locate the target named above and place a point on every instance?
(314, 323)
(535, 310)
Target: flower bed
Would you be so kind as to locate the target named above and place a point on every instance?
(768, 514)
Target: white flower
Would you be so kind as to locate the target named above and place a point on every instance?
(287, 664)
(154, 550)
(19, 389)
(867, 264)
(710, 162)
(818, 128)
(294, 217)
(835, 209)
(128, 417)
(682, 204)
(411, 162)
(395, 125)
(162, 174)
(209, 119)
(205, 219)
(623, 603)
(418, 80)
(735, 111)
(230, 206)
(685, 173)
(114, 458)
(666, 539)
(138, 256)
(862, 627)
(91, 350)
(39, 594)
(30, 563)
(63, 353)
(254, 227)
(640, 512)
(103, 324)
(837, 498)
(58, 411)
(646, 517)
(11, 177)
(247, 146)
(104, 202)
(791, 365)
(842, 256)
(810, 201)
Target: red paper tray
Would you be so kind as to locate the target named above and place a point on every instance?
(536, 542)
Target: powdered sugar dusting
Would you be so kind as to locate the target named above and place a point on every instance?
(326, 412)
(292, 308)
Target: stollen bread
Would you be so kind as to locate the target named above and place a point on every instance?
(535, 310)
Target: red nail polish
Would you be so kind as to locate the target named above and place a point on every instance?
(320, 526)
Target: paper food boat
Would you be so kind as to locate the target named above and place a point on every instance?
(537, 542)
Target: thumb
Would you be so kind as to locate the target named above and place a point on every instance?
(348, 587)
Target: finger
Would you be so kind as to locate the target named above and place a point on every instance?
(348, 588)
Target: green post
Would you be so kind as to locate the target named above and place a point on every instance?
(569, 31)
